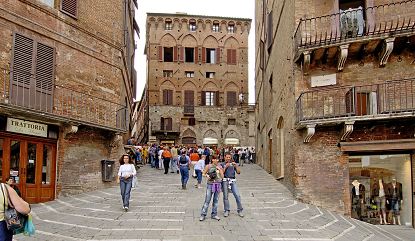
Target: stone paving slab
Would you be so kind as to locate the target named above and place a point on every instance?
(161, 210)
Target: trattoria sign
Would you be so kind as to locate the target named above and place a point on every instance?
(27, 127)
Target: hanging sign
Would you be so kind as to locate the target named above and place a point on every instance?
(27, 127)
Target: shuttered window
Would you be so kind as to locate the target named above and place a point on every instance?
(166, 124)
(44, 67)
(231, 56)
(70, 7)
(189, 98)
(22, 59)
(231, 98)
(167, 97)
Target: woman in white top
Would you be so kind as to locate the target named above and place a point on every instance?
(125, 179)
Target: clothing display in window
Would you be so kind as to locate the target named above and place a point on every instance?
(358, 199)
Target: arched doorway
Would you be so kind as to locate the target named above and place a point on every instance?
(189, 137)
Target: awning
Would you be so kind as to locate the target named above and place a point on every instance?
(210, 141)
(231, 141)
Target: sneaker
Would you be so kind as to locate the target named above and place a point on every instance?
(196, 186)
(126, 209)
(216, 217)
(226, 214)
(241, 214)
(184, 186)
(202, 218)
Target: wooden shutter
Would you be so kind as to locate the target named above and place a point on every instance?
(217, 98)
(189, 97)
(234, 56)
(228, 56)
(44, 76)
(170, 97)
(22, 70)
(162, 123)
(70, 7)
(160, 53)
(231, 98)
(203, 55)
(203, 98)
(218, 56)
(196, 55)
(165, 97)
(169, 124)
(175, 54)
(181, 56)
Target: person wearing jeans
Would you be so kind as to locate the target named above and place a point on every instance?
(229, 184)
(199, 166)
(213, 188)
(184, 164)
(125, 179)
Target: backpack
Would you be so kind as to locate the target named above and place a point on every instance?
(212, 172)
(182, 160)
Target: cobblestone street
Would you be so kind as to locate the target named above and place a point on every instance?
(160, 210)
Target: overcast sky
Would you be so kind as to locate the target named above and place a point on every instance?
(226, 8)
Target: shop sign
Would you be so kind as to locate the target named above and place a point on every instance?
(167, 142)
(152, 139)
(323, 80)
(27, 127)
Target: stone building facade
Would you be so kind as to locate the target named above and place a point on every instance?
(335, 92)
(67, 88)
(197, 84)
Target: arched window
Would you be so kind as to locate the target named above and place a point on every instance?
(168, 25)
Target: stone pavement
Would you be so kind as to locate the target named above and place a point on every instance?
(160, 210)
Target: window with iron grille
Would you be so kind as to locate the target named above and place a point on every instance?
(70, 7)
(167, 73)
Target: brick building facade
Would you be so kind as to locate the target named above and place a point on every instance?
(335, 91)
(67, 87)
(197, 84)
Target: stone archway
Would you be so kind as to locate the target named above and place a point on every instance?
(189, 137)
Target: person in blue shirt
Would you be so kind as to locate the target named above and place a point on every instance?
(229, 184)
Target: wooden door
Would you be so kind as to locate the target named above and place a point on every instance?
(362, 100)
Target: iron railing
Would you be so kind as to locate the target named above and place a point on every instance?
(392, 18)
(367, 101)
(189, 109)
(61, 103)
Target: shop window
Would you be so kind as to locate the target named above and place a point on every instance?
(168, 54)
(167, 73)
(47, 164)
(210, 55)
(381, 188)
(231, 122)
(215, 27)
(189, 54)
(189, 74)
(210, 75)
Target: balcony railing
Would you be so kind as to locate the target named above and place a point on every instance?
(392, 98)
(189, 110)
(62, 104)
(392, 18)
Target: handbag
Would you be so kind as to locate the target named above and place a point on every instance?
(15, 221)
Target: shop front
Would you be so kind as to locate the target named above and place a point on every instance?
(28, 157)
(381, 188)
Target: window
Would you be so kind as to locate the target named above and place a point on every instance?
(167, 97)
(192, 26)
(270, 82)
(167, 73)
(210, 56)
(189, 55)
(210, 75)
(231, 56)
(210, 98)
(168, 25)
(192, 121)
(231, 28)
(166, 124)
(270, 31)
(70, 7)
(261, 55)
(215, 27)
(190, 74)
(168, 54)
(231, 98)
(231, 122)
(50, 3)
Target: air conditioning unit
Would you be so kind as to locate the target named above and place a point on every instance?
(352, 22)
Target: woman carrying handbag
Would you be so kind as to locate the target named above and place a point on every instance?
(10, 198)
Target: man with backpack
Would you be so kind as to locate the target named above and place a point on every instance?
(229, 184)
(214, 174)
(184, 166)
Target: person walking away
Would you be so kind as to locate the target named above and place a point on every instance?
(214, 174)
(153, 156)
(173, 161)
(200, 152)
(184, 165)
(243, 156)
(236, 156)
(229, 184)
(138, 156)
(126, 173)
(10, 197)
(160, 158)
(194, 158)
(206, 152)
(199, 166)
(166, 159)
(145, 155)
